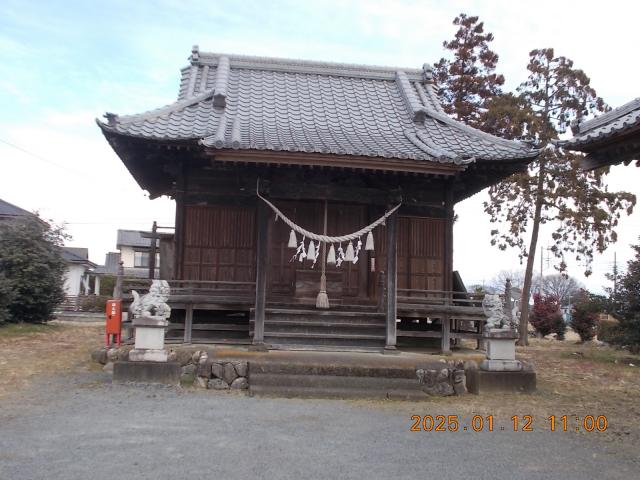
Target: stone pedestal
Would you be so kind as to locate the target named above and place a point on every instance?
(149, 345)
(501, 351)
(500, 371)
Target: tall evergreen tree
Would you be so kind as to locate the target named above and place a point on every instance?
(554, 189)
(627, 301)
(468, 80)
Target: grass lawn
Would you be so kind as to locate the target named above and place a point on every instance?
(28, 350)
(12, 330)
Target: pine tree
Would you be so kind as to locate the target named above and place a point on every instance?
(468, 80)
(554, 189)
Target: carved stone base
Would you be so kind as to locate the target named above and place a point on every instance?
(148, 355)
(501, 365)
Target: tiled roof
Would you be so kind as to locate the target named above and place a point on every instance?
(608, 125)
(9, 210)
(132, 238)
(76, 255)
(254, 103)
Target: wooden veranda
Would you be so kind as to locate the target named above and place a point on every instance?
(224, 313)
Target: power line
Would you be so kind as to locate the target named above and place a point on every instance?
(46, 160)
(55, 164)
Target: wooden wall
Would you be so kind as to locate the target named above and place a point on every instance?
(219, 243)
(216, 230)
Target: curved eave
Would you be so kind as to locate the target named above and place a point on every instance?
(146, 158)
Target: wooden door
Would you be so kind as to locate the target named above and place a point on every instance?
(301, 280)
(219, 243)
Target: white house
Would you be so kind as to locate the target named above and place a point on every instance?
(134, 253)
(76, 280)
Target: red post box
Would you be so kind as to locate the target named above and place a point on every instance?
(114, 321)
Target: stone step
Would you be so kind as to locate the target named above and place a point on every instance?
(335, 370)
(333, 381)
(336, 393)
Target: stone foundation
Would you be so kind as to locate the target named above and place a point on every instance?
(482, 381)
(219, 374)
(167, 373)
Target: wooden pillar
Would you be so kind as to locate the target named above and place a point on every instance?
(188, 323)
(392, 275)
(96, 285)
(448, 267)
(261, 274)
(181, 187)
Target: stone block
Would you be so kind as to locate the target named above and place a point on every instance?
(482, 381)
(241, 368)
(217, 369)
(99, 356)
(240, 383)
(149, 332)
(501, 349)
(204, 369)
(201, 382)
(501, 365)
(229, 374)
(147, 372)
(218, 384)
(148, 355)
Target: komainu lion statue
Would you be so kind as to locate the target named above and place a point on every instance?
(494, 310)
(153, 304)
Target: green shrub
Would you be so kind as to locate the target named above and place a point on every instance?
(32, 268)
(584, 316)
(107, 283)
(94, 303)
(609, 331)
(6, 297)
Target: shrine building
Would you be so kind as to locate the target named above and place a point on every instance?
(314, 202)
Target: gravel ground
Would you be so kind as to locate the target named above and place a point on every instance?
(81, 427)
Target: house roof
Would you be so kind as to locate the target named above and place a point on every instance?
(132, 238)
(233, 102)
(9, 210)
(77, 256)
(600, 136)
(111, 263)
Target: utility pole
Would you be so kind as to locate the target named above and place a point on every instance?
(541, 267)
(615, 282)
(152, 252)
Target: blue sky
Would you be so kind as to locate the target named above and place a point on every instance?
(64, 63)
